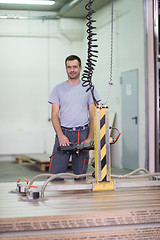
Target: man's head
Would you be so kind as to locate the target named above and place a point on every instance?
(73, 57)
(73, 67)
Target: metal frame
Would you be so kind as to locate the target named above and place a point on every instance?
(156, 59)
(102, 146)
(152, 95)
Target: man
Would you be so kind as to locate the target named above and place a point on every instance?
(72, 118)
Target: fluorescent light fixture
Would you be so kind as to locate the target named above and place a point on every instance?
(32, 2)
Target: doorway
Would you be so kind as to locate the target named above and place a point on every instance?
(129, 81)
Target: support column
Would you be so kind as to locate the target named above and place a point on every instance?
(102, 149)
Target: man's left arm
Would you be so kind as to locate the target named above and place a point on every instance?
(91, 123)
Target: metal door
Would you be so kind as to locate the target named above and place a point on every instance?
(129, 82)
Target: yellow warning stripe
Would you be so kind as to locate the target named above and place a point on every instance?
(103, 144)
(102, 131)
(103, 152)
(103, 173)
(102, 166)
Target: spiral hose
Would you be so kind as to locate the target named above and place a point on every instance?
(91, 59)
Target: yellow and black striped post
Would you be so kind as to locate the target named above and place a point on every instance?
(102, 149)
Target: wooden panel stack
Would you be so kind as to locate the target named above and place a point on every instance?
(121, 214)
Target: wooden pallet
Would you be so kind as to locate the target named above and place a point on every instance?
(41, 161)
(23, 160)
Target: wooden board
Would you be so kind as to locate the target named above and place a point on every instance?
(120, 214)
(121, 234)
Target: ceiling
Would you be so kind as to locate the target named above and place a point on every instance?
(61, 8)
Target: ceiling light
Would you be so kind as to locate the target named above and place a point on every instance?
(32, 2)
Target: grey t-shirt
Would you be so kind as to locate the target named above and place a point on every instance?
(73, 101)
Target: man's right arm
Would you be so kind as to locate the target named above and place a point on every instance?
(63, 140)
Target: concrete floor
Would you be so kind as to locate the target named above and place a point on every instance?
(10, 171)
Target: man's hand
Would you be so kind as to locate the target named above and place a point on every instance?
(87, 140)
(63, 140)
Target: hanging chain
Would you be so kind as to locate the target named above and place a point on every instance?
(111, 60)
(111, 56)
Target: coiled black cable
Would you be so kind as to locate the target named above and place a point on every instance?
(90, 64)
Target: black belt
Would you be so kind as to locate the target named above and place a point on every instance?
(75, 128)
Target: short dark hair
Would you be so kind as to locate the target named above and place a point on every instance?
(73, 57)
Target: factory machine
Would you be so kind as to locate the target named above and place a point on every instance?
(101, 143)
(102, 163)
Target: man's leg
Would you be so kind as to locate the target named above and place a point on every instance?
(80, 163)
(59, 160)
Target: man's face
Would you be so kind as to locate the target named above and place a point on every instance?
(73, 69)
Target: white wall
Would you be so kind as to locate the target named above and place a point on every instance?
(32, 62)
